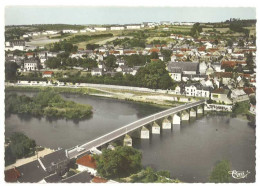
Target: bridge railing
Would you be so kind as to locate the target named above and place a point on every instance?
(153, 117)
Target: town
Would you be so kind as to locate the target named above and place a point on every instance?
(173, 62)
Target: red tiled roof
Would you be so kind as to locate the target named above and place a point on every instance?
(203, 48)
(98, 180)
(154, 50)
(224, 74)
(228, 64)
(249, 90)
(29, 54)
(87, 161)
(11, 175)
(129, 52)
(155, 60)
(47, 72)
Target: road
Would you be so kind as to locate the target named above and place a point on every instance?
(130, 127)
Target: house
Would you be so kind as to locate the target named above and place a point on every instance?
(217, 67)
(238, 95)
(52, 178)
(100, 29)
(12, 175)
(197, 90)
(32, 172)
(202, 68)
(177, 90)
(15, 45)
(100, 65)
(70, 31)
(87, 163)
(226, 77)
(120, 62)
(98, 180)
(31, 64)
(176, 73)
(96, 72)
(82, 177)
(47, 74)
(186, 67)
(221, 95)
(117, 28)
(209, 70)
(133, 26)
(250, 91)
(55, 162)
(127, 70)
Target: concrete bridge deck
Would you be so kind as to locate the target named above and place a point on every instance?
(74, 152)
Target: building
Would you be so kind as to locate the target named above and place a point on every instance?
(238, 95)
(117, 28)
(96, 72)
(15, 45)
(55, 162)
(132, 27)
(197, 90)
(176, 74)
(82, 177)
(70, 31)
(100, 29)
(47, 74)
(186, 67)
(12, 175)
(220, 95)
(87, 163)
(32, 172)
(31, 64)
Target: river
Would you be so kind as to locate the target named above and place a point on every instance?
(189, 151)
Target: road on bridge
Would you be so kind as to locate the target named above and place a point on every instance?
(130, 127)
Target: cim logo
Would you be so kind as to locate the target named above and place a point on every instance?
(239, 174)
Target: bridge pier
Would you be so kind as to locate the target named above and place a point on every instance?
(185, 116)
(200, 110)
(176, 120)
(193, 113)
(166, 124)
(156, 129)
(128, 141)
(145, 133)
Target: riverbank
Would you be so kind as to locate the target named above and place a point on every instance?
(157, 99)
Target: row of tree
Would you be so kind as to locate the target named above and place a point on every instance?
(18, 146)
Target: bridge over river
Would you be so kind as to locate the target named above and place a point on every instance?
(78, 150)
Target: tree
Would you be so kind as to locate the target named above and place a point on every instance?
(10, 70)
(166, 54)
(195, 30)
(118, 163)
(230, 43)
(155, 76)
(220, 172)
(154, 55)
(53, 62)
(92, 46)
(21, 145)
(249, 60)
(110, 62)
(241, 43)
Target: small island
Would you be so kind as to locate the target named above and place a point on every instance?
(46, 103)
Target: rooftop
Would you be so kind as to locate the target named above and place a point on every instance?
(87, 161)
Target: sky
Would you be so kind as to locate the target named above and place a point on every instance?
(19, 15)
